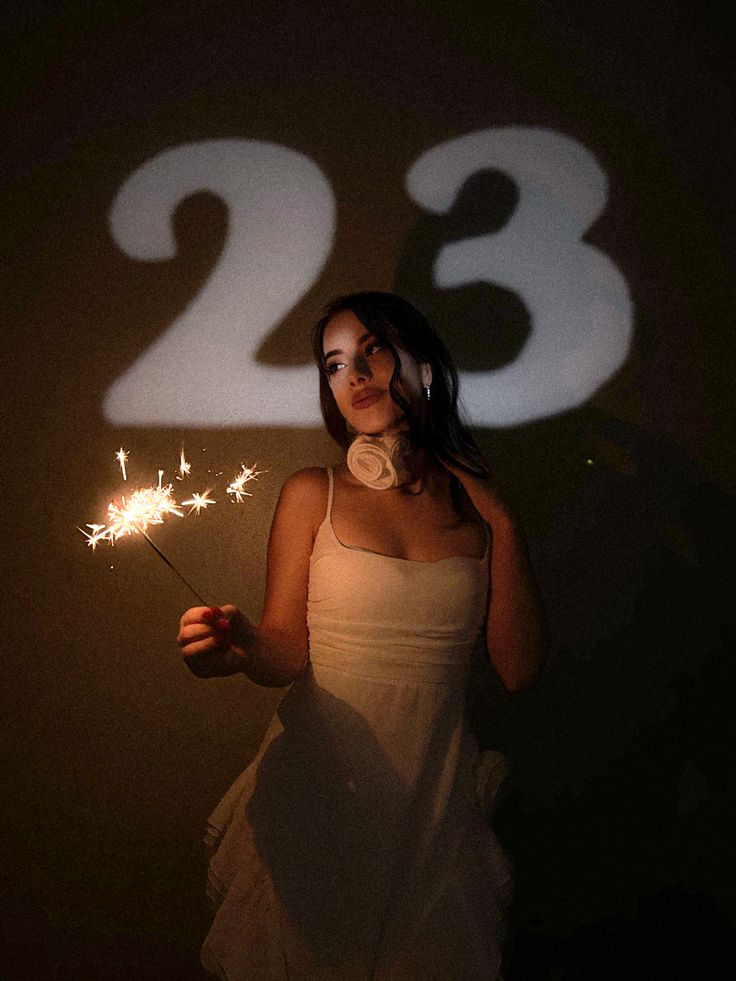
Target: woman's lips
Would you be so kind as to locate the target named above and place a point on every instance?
(366, 398)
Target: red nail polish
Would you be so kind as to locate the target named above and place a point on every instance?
(223, 624)
(207, 615)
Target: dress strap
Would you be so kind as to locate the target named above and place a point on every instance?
(331, 486)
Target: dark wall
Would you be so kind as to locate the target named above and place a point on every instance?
(609, 126)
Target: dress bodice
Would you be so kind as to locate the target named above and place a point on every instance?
(392, 618)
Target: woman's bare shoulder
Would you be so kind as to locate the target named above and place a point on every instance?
(306, 491)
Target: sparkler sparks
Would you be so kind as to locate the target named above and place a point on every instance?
(95, 536)
(133, 514)
(145, 506)
(130, 515)
(199, 501)
(237, 485)
(121, 456)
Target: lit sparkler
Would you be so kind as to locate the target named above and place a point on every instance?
(145, 506)
(134, 513)
(237, 485)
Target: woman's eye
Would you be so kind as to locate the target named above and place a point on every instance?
(373, 347)
(333, 366)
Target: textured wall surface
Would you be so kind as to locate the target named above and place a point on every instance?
(188, 185)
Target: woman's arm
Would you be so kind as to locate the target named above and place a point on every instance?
(517, 628)
(274, 652)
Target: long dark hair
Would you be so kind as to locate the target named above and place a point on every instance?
(434, 424)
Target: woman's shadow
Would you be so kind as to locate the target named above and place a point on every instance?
(326, 815)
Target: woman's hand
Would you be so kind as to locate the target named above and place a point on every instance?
(485, 494)
(213, 640)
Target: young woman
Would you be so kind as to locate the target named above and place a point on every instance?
(352, 847)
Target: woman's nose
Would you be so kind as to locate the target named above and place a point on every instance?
(360, 370)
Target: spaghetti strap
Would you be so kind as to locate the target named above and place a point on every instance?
(331, 484)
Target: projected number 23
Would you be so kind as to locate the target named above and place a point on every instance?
(202, 370)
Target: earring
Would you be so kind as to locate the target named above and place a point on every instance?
(427, 393)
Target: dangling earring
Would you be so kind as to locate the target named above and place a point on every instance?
(427, 393)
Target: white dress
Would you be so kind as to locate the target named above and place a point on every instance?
(352, 848)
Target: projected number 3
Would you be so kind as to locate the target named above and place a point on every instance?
(281, 227)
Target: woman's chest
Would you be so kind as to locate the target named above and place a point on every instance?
(417, 527)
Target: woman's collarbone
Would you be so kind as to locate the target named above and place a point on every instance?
(415, 534)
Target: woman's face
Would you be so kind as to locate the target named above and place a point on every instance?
(360, 369)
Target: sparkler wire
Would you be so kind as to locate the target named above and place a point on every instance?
(171, 565)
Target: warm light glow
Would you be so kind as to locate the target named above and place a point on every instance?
(130, 514)
(145, 506)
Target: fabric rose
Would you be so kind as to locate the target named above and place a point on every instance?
(378, 461)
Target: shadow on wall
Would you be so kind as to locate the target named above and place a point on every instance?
(621, 802)
(634, 863)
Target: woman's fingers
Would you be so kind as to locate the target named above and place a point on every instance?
(206, 646)
(192, 632)
(196, 634)
(200, 614)
(207, 641)
(212, 616)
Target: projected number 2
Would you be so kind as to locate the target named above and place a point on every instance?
(202, 371)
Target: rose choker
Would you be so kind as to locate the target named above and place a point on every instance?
(380, 461)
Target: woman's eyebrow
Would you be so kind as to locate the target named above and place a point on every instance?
(328, 354)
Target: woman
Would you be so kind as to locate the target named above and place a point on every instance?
(351, 848)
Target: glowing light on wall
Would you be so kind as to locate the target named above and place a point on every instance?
(281, 229)
(579, 303)
(202, 371)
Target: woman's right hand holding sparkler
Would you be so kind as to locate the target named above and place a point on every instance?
(213, 640)
(220, 641)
